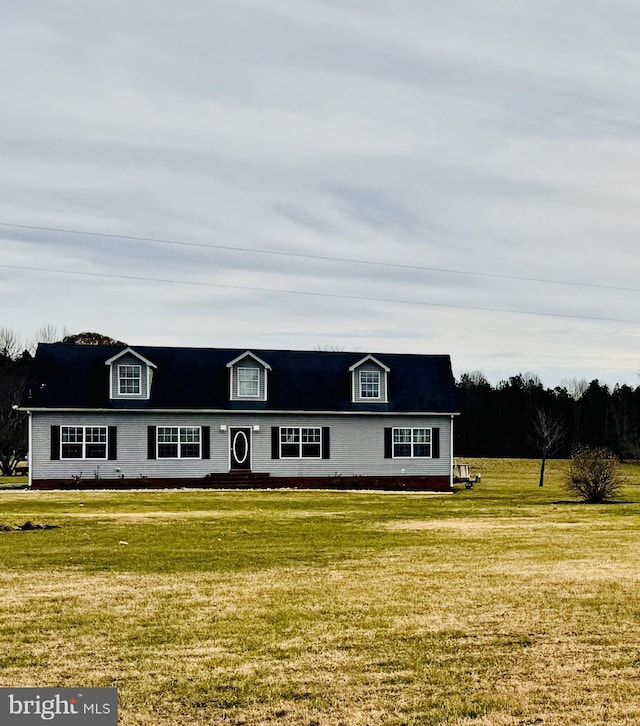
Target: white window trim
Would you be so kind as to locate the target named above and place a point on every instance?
(84, 456)
(412, 443)
(256, 395)
(299, 443)
(130, 378)
(178, 457)
(362, 373)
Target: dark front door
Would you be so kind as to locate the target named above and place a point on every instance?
(240, 445)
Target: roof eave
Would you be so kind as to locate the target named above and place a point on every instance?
(251, 411)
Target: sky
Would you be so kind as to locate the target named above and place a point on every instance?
(458, 177)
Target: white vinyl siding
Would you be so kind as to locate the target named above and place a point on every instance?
(357, 444)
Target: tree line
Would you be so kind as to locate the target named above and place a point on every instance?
(512, 418)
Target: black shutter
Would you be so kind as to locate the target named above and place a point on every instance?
(206, 442)
(326, 449)
(388, 446)
(112, 444)
(151, 442)
(55, 443)
(435, 443)
(275, 442)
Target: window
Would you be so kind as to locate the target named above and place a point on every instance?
(411, 443)
(129, 380)
(178, 442)
(300, 443)
(248, 382)
(369, 384)
(83, 442)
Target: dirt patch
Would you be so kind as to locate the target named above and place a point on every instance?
(26, 527)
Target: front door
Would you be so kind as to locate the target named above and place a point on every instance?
(240, 448)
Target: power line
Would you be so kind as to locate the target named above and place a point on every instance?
(326, 258)
(319, 294)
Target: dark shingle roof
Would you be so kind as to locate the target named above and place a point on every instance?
(75, 376)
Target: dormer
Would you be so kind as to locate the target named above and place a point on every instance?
(369, 382)
(248, 378)
(130, 376)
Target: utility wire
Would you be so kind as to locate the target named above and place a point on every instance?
(339, 296)
(325, 258)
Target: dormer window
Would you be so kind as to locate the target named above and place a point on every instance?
(248, 382)
(130, 375)
(129, 380)
(248, 378)
(369, 384)
(369, 381)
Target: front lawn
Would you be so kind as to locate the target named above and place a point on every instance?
(504, 604)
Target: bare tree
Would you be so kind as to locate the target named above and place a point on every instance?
(13, 440)
(475, 378)
(10, 344)
(329, 348)
(548, 435)
(575, 387)
(47, 334)
(531, 379)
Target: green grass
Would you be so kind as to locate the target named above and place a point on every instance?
(13, 482)
(504, 604)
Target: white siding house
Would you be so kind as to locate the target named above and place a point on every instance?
(114, 416)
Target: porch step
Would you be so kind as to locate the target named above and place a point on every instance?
(238, 479)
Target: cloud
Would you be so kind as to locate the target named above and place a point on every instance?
(496, 138)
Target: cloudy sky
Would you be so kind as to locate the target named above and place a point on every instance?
(434, 176)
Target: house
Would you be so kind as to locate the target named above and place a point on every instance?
(107, 416)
